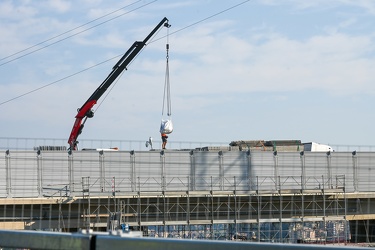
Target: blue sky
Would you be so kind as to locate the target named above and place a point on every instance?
(264, 70)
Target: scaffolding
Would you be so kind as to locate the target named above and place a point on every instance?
(225, 195)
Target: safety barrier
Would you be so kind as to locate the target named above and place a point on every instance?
(127, 240)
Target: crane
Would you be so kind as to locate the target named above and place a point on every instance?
(86, 110)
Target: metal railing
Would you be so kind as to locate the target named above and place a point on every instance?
(14, 143)
(119, 240)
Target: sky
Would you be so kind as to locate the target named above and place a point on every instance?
(239, 70)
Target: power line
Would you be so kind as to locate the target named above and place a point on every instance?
(61, 79)
(65, 38)
(68, 31)
(205, 19)
(86, 69)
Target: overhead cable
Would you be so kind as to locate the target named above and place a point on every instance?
(93, 66)
(70, 36)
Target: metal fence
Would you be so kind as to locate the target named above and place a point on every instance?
(59, 173)
(259, 196)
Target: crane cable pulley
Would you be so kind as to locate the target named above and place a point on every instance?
(166, 126)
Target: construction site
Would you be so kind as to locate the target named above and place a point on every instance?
(261, 191)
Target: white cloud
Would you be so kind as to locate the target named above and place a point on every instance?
(59, 5)
(233, 67)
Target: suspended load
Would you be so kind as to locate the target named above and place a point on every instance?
(166, 126)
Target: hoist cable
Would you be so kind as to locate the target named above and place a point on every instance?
(167, 88)
(119, 77)
(109, 91)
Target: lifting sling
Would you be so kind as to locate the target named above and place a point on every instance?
(166, 126)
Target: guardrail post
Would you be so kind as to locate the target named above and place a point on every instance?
(39, 167)
(221, 170)
(133, 180)
(102, 171)
(70, 170)
(276, 169)
(329, 169)
(162, 162)
(355, 170)
(303, 170)
(8, 174)
(192, 170)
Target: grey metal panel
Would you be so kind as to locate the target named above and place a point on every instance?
(177, 163)
(117, 171)
(289, 163)
(342, 170)
(85, 164)
(177, 170)
(366, 171)
(317, 172)
(206, 171)
(236, 170)
(263, 169)
(3, 186)
(289, 170)
(263, 163)
(23, 168)
(148, 170)
(55, 177)
(17, 239)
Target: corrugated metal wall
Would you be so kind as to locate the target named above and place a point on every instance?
(54, 173)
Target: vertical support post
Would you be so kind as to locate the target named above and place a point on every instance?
(102, 171)
(236, 212)
(39, 167)
(355, 170)
(358, 209)
(86, 193)
(250, 177)
(329, 169)
(188, 212)
(139, 203)
(324, 204)
(368, 221)
(70, 170)
(162, 170)
(164, 216)
(259, 199)
(346, 213)
(280, 214)
(212, 216)
(303, 170)
(133, 174)
(276, 169)
(8, 174)
(221, 171)
(192, 171)
(113, 186)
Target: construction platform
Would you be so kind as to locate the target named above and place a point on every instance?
(268, 196)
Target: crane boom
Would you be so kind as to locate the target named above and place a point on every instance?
(86, 110)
